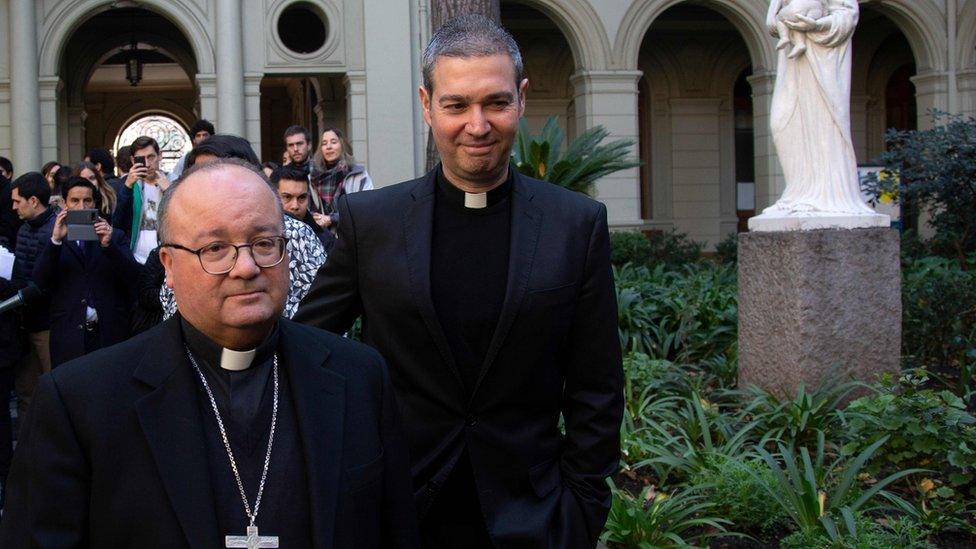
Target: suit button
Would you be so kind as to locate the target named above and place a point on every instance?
(472, 421)
(81, 326)
(82, 301)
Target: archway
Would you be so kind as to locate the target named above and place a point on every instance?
(548, 61)
(691, 121)
(100, 98)
(172, 137)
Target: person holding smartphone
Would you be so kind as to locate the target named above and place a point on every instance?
(135, 212)
(90, 282)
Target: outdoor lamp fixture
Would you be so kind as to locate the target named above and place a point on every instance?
(133, 64)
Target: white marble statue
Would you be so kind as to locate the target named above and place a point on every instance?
(810, 120)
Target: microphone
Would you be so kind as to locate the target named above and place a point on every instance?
(21, 297)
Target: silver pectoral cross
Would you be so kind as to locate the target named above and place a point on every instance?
(252, 540)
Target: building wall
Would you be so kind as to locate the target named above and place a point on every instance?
(374, 51)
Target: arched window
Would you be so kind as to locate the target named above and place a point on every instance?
(173, 139)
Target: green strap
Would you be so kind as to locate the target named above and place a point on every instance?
(136, 215)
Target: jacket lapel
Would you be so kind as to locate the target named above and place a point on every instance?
(170, 420)
(75, 250)
(418, 222)
(319, 397)
(526, 224)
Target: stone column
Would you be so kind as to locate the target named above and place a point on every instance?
(252, 109)
(207, 88)
(25, 122)
(609, 99)
(769, 174)
(76, 134)
(355, 83)
(49, 93)
(5, 114)
(230, 68)
(931, 92)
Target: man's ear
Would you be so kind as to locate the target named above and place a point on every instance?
(523, 87)
(166, 258)
(424, 102)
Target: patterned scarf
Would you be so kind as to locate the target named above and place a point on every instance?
(328, 184)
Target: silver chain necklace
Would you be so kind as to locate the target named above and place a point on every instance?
(252, 539)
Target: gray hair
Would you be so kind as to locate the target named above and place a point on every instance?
(162, 213)
(469, 36)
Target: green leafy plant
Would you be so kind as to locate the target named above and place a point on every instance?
(813, 493)
(654, 519)
(727, 251)
(585, 160)
(738, 487)
(798, 420)
(858, 531)
(923, 427)
(629, 247)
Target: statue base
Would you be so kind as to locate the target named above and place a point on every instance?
(802, 221)
(818, 305)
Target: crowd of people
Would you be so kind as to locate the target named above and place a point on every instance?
(172, 339)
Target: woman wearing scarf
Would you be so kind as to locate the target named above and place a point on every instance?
(335, 173)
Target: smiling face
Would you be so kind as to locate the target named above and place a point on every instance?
(331, 147)
(237, 309)
(473, 112)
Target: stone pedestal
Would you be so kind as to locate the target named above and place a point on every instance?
(818, 303)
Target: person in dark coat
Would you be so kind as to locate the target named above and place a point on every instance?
(491, 296)
(91, 283)
(131, 446)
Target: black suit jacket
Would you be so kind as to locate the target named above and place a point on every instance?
(70, 277)
(555, 351)
(113, 453)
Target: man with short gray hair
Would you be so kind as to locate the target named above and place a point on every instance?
(490, 294)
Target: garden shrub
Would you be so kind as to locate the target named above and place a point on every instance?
(629, 247)
(727, 251)
(927, 428)
(742, 497)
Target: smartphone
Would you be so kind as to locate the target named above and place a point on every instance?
(81, 224)
(139, 160)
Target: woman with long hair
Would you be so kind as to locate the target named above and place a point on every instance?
(335, 173)
(107, 204)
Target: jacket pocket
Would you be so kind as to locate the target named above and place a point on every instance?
(362, 476)
(545, 477)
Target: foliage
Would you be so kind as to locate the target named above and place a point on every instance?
(727, 250)
(739, 491)
(585, 160)
(939, 311)
(938, 171)
(934, 514)
(857, 531)
(799, 420)
(923, 427)
(813, 493)
(655, 519)
(669, 248)
(687, 316)
(629, 247)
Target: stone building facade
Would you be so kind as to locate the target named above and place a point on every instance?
(689, 81)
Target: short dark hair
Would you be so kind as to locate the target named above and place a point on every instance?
(78, 181)
(33, 184)
(295, 129)
(288, 173)
(142, 142)
(5, 165)
(468, 36)
(224, 145)
(123, 158)
(202, 125)
(99, 155)
(164, 204)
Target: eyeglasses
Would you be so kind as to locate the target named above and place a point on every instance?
(219, 258)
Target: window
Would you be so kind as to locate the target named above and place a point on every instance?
(173, 139)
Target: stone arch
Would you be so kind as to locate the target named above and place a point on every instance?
(62, 23)
(747, 18)
(139, 108)
(582, 28)
(923, 26)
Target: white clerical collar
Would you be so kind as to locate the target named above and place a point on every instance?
(236, 360)
(476, 201)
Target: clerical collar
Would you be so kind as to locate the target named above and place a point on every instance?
(216, 356)
(473, 201)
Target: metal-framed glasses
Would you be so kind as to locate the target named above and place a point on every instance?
(219, 258)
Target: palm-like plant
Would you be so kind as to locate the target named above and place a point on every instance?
(585, 160)
(659, 520)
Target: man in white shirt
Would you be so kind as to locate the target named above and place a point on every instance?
(135, 213)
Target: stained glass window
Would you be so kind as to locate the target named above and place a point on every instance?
(173, 139)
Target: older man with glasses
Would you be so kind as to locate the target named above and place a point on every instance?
(226, 425)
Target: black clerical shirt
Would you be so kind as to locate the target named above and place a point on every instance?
(245, 400)
(469, 270)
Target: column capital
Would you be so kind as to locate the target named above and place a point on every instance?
(930, 83)
(605, 81)
(762, 82)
